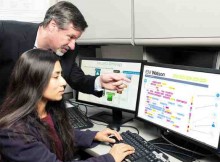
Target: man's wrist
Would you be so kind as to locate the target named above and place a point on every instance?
(97, 85)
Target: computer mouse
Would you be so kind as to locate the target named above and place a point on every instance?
(116, 140)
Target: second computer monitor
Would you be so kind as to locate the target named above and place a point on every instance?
(183, 100)
(125, 101)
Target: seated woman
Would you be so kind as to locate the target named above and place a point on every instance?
(34, 124)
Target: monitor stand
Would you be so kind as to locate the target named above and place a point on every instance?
(114, 119)
(183, 155)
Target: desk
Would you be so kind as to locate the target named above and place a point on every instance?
(147, 131)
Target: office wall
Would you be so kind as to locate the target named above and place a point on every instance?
(122, 52)
(24, 10)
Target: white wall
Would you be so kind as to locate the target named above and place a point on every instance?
(122, 52)
(24, 10)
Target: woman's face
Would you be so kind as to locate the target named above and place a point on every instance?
(56, 85)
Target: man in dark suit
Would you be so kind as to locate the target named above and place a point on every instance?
(62, 26)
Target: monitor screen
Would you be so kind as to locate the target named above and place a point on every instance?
(126, 100)
(183, 100)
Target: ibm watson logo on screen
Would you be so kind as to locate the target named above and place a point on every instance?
(157, 73)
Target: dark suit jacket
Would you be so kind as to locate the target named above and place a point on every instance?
(15, 147)
(18, 37)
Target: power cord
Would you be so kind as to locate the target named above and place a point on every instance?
(176, 152)
(183, 148)
(77, 105)
(131, 127)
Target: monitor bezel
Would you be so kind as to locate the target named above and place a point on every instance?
(110, 59)
(181, 67)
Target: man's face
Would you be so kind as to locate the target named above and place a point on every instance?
(63, 40)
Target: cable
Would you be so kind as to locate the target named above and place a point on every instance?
(205, 155)
(74, 102)
(168, 144)
(130, 127)
(77, 105)
(120, 126)
(176, 152)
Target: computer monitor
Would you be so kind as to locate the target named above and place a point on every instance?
(118, 102)
(184, 101)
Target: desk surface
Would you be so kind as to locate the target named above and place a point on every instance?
(148, 132)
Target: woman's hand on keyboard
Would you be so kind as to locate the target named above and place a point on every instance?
(103, 136)
(120, 151)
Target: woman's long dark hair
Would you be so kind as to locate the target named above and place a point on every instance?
(28, 81)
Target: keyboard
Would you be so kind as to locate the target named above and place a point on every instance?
(144, 151)
(77, 119)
